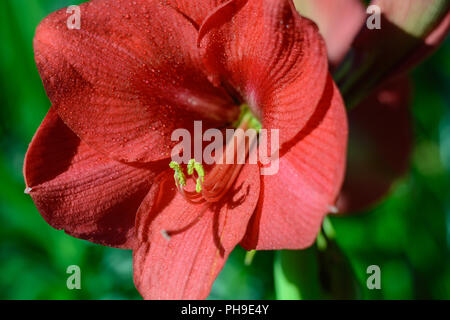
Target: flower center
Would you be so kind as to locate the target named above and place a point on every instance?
(228, 163)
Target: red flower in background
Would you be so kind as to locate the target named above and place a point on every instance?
(376, 85)
(380, 146)
(98, 166)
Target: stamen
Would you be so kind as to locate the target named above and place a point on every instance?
(180, 178)
(222, 176)
(194, 165)
(220, 179)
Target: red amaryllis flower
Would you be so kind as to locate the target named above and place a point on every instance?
(98, 167)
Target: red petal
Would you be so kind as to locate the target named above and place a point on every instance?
(81, 191)
(380, 146)
(274, 59)
(201, 238)
(196, 10)
(294, 201)
(129, 77)
(339, 21)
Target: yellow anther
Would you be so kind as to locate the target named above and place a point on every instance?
(180, 178)
(194, 165)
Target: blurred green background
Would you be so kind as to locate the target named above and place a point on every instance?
(407, 235)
